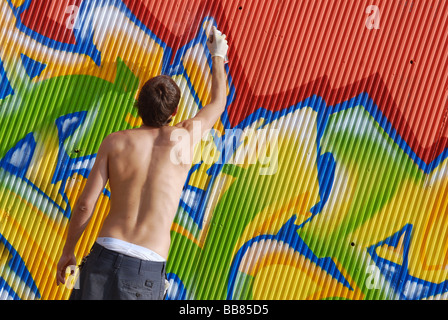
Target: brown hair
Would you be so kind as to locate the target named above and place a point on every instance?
(157, 101)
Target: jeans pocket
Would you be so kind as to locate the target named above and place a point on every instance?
(132, 289)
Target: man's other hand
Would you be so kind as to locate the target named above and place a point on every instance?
(65, 261)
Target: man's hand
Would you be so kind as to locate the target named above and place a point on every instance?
(217, 44)
(65, 261)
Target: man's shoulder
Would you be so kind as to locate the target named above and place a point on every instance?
(114, 139)
(187, 124)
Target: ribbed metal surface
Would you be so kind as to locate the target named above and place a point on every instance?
(355, 93)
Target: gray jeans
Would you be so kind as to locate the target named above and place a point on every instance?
(109, 275)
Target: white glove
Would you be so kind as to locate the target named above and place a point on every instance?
(217, 44)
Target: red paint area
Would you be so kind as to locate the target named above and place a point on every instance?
(281, 52)
(49, 18)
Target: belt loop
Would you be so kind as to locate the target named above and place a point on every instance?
(101, 248)
(118, 261)
(96, 250)
(163, 267)
(141, 266)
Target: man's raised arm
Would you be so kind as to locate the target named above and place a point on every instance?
(209, 114)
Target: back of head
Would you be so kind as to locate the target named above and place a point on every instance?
(157, 101)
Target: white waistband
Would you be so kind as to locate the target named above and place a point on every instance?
(129, 249)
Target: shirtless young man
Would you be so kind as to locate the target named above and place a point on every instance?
(128, 259)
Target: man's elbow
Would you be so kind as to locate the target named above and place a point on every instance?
(85, 206)
(221, 102)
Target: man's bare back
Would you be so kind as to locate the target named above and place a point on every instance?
(146, 171)
(145, 188)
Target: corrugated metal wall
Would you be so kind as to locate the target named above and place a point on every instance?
(356, 92)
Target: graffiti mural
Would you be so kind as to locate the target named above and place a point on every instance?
(357, 206)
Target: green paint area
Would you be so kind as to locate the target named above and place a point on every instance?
(42, 103)
(248, 195)
(373, 167)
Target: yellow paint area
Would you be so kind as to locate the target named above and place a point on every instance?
(295, 180)
(136, 46)
(44, 164)
(17, 3)
(4, 257)
(39, 239)
(424, 204)
(296, 172)
(198, 71)
(184, 232)
(271, 219)
(133, 121)
(394, 254)
(35, 236)
(434, 248)
(187, 106)
(287, 275)
(338, 203)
